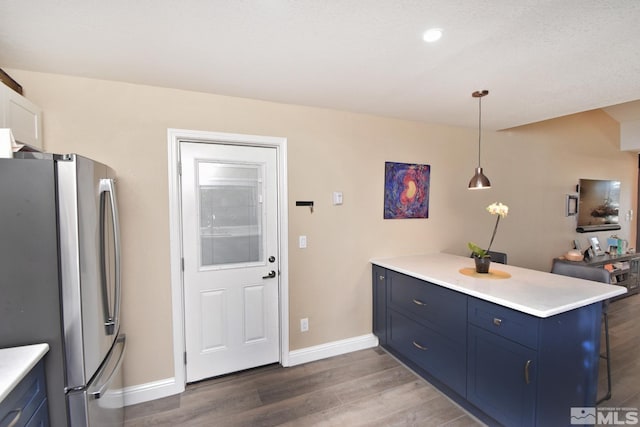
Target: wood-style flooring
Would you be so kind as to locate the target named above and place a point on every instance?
(364, 388)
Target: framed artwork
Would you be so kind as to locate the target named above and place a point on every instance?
(406, 190)
(598, 205)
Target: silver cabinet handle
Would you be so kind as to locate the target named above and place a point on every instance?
(527, 380)
(381, 277)
(418, 346)
(16, 418)
(418, 302)
(497, 321)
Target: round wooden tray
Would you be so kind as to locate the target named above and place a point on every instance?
(492, 274)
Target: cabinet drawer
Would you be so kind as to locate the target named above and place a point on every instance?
(23, 401)
(503, 321)
(434, 306)
(439, 356)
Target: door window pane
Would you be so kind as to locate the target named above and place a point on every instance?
(230, 208)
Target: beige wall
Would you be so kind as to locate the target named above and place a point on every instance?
(531, 169)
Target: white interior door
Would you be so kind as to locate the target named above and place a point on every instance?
(230, 250)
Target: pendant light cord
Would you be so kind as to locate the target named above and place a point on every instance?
(479, 127)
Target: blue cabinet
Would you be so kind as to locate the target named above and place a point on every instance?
(26, 404)
(504, 366)
(431, 351)
(380, 304)
(426, 324)
(438, 308)
(502, 378)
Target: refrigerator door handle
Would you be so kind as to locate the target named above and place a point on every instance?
(112, 314)
(114, 369)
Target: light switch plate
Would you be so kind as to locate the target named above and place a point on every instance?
(337, 197)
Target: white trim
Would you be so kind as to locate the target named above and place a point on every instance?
(175, 261)
(174, 137)
(335, 348)
(151, 391)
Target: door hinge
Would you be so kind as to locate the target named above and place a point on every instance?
(182, 263)
(185, 357)
(180, 168)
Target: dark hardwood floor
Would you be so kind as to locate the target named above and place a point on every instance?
(364, 388)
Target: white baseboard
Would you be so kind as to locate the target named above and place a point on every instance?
(335, 348)
(168, 387)
(151, 391)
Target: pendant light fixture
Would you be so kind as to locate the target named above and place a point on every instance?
(479, 181)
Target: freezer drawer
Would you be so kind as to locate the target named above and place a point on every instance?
(101, 404)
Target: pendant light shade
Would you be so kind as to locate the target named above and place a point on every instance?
(479, 180)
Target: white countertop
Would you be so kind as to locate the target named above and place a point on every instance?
(16, 363)
(534, 292)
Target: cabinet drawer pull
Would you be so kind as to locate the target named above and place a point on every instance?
(416, 345)
(16, 418)
(381, 277)
(497, 321)
(418, 302)
(527, 380)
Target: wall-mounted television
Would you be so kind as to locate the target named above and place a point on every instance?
(598, 205)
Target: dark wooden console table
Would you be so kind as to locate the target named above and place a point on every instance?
(625, 269)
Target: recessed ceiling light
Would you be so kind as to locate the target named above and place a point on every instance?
(432, 35)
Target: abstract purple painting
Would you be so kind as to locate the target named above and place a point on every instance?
(406, 190)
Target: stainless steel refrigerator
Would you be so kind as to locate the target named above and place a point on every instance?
(60, 281)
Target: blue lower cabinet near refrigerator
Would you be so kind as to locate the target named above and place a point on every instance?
(60, 284)
(26, 404)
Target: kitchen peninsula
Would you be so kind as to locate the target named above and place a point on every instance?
(516, 347)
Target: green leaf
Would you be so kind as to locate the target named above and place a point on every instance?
(477, 250)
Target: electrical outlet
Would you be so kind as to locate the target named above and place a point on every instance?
(304, 324)
(302, 242)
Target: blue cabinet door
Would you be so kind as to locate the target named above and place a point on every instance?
(502, 378)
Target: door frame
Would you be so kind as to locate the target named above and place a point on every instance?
(175, 136)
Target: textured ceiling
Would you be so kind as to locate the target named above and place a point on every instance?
(539, 59)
